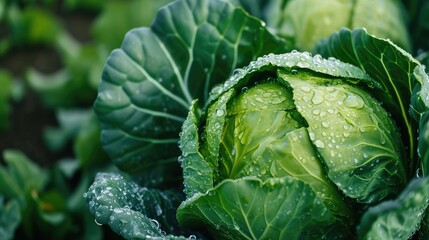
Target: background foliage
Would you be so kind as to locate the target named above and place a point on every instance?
(51, 57)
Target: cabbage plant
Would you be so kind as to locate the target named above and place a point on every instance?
(308, 21)
(223, 131)
(297, 141)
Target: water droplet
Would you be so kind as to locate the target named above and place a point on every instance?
(317, 99)
(354, 101)
(305, 89)
(311, 135)
(99, 224)
(155, 222)
(319, 144)
(325, 124)
(158, 209)
(220, 112)
(419, 173)
(294, 71)
(382, 139)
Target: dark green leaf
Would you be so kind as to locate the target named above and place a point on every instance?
(397, 219)
(424, 227)
(279, 208)
(424, 143)
(387, 64)
(132, 211)
(420, 112)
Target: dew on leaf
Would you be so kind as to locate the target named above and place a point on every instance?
(99, 224)
(220, 112)
(317, 99)
(156, 223)
(354, 101)
(319, 144)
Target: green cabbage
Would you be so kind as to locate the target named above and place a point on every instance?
(273, 143)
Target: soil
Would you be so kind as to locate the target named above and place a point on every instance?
(29, 117)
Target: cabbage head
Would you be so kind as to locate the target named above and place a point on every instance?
(292, 146)
(308, 21)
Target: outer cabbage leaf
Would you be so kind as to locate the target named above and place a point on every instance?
(390, 66)
(197, 174)
(400, 218)
(420, 112)
(131, 211)
(279, 208)
(149, 83)
(424, 143)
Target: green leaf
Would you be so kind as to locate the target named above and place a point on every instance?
(424, 227)
(87, 146)
(197, 173)
(420, 111)
(399, 218)
(49, 87)
(424, 143)
(353, 134)
(32, 25)
(10, 217)
(132, 211)
(73, 85)
(149, 83)
(71, 122)
(14, 180)
(387, 64)
(279, 208)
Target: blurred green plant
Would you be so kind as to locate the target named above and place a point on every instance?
(50, 205)
(5, 94)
